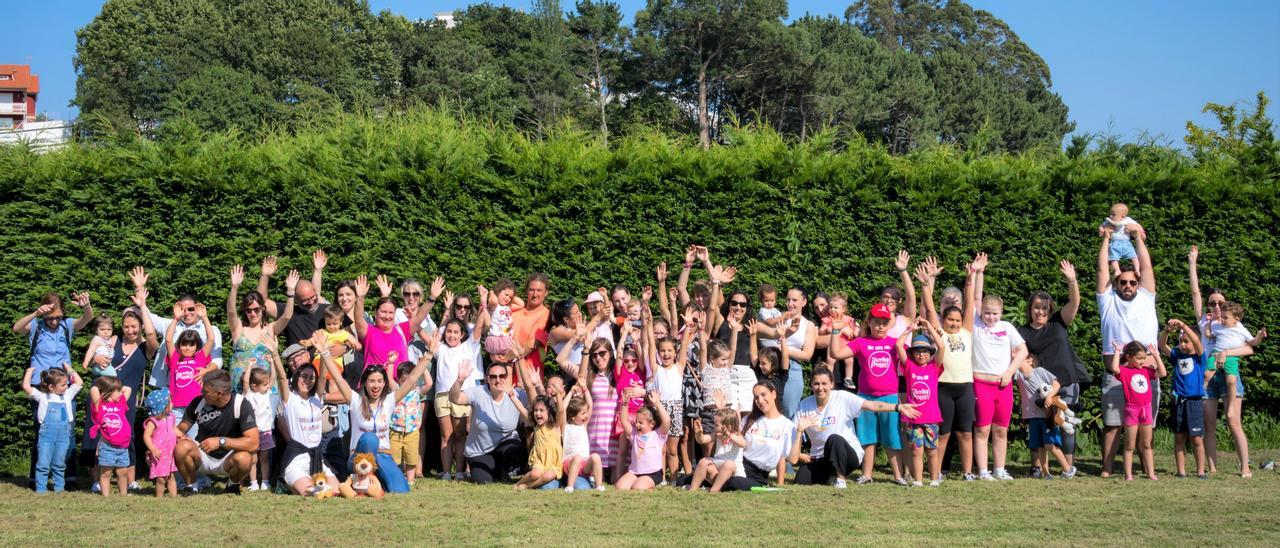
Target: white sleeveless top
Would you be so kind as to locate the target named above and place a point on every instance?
(796, 340)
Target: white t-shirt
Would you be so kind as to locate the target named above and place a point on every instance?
(1126, 321)
(304, 417)
(500, 321)
(1226, 338)
(993, 346)
(68, 398)
(263, 415)
(728, 451)
(836, 420)
(576, 443)
(1118, 227)
(768, 440)
(379, 423)
(669, 383)
(764, 315)
(450, 358)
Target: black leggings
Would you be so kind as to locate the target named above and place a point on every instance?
(956, 401)
(838, 458)
(497, 464)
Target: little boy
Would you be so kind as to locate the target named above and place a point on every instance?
(769, 313)
(1042, 437)
(1187, 420)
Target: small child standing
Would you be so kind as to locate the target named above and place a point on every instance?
(259, 396)
(406, 422)
(1135, 367)
(1187, 420)
(160, 437)
(110, 407)
(56, 409)
(104, 345)
(717, 379)
(769, 314)
(1039, 386)
(1117, 222)
(726, 457)
(921, 368)
(575, 413)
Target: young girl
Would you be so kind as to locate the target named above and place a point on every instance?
(834, 322)
(1226, 338)
(647, 438)
(716, 376)
(877, 381)
(668, 381)
(339, 340)
(729, 443)
(259, 395)
(501, 304)
(955, 385)
(110, 407)
(103, 344)
(769, 359)
(546, 452)
(188, 360)
(55, 411)
(921, 367)
(160, 437)
(998, 351)
(575, 413)
(1135, 367)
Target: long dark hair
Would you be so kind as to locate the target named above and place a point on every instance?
(1038, 296)
(560, 312)
(365, 404)
(297, 372)
(591, 363)
(724, 307)
(248, 299)
(756, 413)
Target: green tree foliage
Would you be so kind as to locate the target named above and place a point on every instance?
(1245, 142)
(599, 39)
(423, 193)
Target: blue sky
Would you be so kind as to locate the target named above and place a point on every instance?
(1129, 68)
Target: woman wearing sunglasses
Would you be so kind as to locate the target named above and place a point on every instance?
(253, 338)
(493, 447)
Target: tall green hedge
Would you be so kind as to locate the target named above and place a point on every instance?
(424, 193)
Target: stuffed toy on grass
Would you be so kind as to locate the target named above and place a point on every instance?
(363, 481)
(1059, 413)
(320, 488)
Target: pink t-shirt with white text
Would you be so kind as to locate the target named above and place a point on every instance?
(878, 361)
(111, 422)
(631, 379)
(183, 384)
(922, 391)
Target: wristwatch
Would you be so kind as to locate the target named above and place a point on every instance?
(222, 442)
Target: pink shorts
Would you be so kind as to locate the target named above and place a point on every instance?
(497, 344)
(1138, 415)
(993, 404)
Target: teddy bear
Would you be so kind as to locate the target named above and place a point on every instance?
(363, 481)
(1059, 413)
(320, 488)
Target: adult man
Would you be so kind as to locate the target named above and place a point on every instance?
(530, 323)
(227, 436)
(1127, 307)
(309, 306)
(189, 320)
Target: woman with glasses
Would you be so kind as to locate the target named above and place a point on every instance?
(730, 329)
(493, 447)
(253, 338)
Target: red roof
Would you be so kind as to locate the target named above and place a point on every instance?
(20, 78)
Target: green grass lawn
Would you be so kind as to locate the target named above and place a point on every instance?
(1088, 511)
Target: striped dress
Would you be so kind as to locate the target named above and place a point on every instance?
(604, 401)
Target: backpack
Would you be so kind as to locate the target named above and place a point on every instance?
(235, 406)
(35, 338)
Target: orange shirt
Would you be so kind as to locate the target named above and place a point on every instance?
(530, 328)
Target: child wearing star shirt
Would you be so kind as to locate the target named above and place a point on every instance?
(877, 381)
(1135, 366)
(1187, 420)
(922, 369)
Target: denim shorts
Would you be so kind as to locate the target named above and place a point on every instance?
(1217, 389)
(110, 456)
(1121, 250)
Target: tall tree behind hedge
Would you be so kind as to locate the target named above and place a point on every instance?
(599, 42)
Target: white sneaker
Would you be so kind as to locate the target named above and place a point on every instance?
(968, 476)
(266, 486)
(96, 489)
(841, 484)
(135, 487)
(600, 488)
(193, 488)
(863, 480)
(1003, 475)
(935, 483)
(568, 489)
(985, 476)
(902, 481)
(917, 484)
(663, 484)
(253, 486)
(1069, 473)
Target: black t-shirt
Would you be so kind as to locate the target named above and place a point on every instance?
(1053, 346)
(221, 422)
(304, 324)
(742, 355)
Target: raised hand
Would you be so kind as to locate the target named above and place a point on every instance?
(291, 282)
(319, 341)
(735, 325)
(237, 275)
(448, 300)
(362, 285)
(437, 287)
(319, 260)
(139, 277)
(433, 342)
(384, 285)
(691, 253)
(803, 422)
(1194, 255)
(701, 253)
(483, 293)
(902, 261)
(922, 273)
(646, 294)
(728, 274)
(269, 266)
(1068, 270)
(672, 293)
(202, 311)
(662, 271)
(80, 299)
(751, 327)
(980, 262)
(139, 298)
(464, 370)
(44, 309)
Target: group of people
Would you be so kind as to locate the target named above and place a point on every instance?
(704, 391)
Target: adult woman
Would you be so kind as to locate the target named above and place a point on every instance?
(728, 324)
(136, 333)
(493, 444)
(384, 342)
(598, 378)
(769, 435)
(826, 418)
(1046, 335)
(902, 306)
(562, 329)
(253, 339)
(373, 401)
(802, 336)
(346, 300)
(303, 411)
(955, 385)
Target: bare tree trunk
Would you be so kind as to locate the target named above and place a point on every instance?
(603, 96)
(704, 129)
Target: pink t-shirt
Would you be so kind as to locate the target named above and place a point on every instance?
(183, 384)
(1137, 385)
(631, 379)
(879, 365)
(111, 421)
(922, 392)
(646, 452)
(379, 344)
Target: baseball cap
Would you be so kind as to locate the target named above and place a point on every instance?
(879, 310)
(293, 349)
(157, 400)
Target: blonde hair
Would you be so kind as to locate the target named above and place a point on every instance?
(992, 299)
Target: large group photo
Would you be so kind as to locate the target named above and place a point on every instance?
(637, 273)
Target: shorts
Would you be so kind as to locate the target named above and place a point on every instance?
(110, 456)
(266, 441)
(879, 427)
(1137, 415)
(1232, 366)
(497, 344)
(955, 400)
(675, 410)
(1040, 434)
(1217, 389)
(300, 467)
(1121, 250)
(446, 408)
(404, 447)
(1112, 402)
(922, 435)
(1187, 417)
(992, 404)
(210, 466)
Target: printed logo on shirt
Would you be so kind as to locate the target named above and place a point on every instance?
(184, 375)
(879, 362)
(111, 423)
(208, 416)
(1186, 366)
(955, 343)
(1139, 384)
(920, 391)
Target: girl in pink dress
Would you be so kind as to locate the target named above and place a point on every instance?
(159, 436)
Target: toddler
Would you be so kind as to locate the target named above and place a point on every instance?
(502, 303)
(56, 412)
(724, 462)
(110, 407)
(160, 436)
(259, 396)
(1135, 367)
(102, 345)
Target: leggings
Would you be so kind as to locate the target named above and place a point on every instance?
(497, 464)
(837, 456)
(955, 400)
(1070, 395)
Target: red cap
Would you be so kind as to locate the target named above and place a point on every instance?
(881, 311)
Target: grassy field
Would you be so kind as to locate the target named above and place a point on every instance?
(1089, 511)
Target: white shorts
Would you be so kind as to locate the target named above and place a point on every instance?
(301, 468)
(210, 466)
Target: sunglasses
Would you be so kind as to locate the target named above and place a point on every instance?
(739, 304)
(1216, 305)
(600, 353)
(630, 360)
(191, 309)
(1123, 283)
(408, 294)
(463, 306)
(252, 310)
(497, 377)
